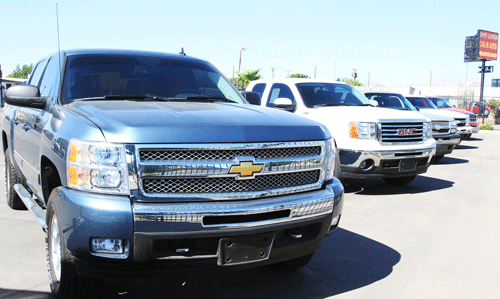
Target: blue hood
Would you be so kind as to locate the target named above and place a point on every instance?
(188, 122)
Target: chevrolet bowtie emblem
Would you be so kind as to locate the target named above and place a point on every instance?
(246, 169)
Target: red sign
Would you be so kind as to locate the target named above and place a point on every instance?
(488, 45)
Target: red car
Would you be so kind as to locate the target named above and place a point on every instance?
(474, 108)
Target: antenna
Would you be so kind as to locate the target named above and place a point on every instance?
(182, 53)
(58, 42)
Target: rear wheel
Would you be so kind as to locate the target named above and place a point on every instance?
(11, 178)
(64, 281)
(400, 181)
(293, 264)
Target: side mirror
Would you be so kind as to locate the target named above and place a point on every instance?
(284, 104)
(418, 108)
(375, 103)
(251, 97)
(25, 96)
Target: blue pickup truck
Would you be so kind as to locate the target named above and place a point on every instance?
(144, 163)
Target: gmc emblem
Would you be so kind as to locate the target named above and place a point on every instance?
(406, 132)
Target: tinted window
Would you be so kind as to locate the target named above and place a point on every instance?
(389, 100)
(259, 89)
(422, 102)
(330, 94)
(100, 75)
(441, 103)
(279, 90)
(37, 73)
(49, 80)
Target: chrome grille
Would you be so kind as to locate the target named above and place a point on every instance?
(472, 118)
(461, 122)
(229, 185)
(398, 132)
(222, 154)
(226, 171)
(440, 127)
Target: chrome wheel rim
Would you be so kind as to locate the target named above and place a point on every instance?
(55, 248)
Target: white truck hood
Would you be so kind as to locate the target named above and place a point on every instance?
(346, 114)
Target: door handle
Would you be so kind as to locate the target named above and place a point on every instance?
(15, 121)
(27, 127)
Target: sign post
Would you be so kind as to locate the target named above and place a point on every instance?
(481, 47)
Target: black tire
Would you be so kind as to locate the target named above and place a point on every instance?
(467, 136)
(400, 181)
(11, 178)
(438, 157)
(65, 283)
(293, 264)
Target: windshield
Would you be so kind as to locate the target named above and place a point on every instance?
(94, 76)
(441, 103)
(390, 100)
(331, 94)
(422, 102)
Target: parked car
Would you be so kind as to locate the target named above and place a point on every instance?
(445, 105)
(372, 142)
(475, 107)
(138, 164)
(462, 120)
(444, 128)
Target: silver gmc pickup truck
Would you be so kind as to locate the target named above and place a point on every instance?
(141, 163)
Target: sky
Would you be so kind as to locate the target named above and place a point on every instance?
(389, 43)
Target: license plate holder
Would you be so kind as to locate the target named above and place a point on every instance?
(243, 250)
(407, 165)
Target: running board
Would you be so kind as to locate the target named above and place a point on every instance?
(31, 204)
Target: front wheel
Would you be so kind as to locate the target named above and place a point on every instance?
(438, 157)
(65, 283)
(401, 180)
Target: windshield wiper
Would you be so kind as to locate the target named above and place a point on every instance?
(203, 99)
(366, 105)
(125, 97)
(331, 104)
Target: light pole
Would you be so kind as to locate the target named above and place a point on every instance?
(239, 68)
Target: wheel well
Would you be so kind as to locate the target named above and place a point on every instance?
(4, 141)
(50, 178)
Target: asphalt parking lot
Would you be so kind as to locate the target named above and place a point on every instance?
(438, 237)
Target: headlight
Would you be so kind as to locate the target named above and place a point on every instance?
(428, 130)
(330, 159)
(453, 128)
(97, 167)
(363, 130)
(467, 120)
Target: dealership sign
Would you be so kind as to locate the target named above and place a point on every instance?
(482, 46)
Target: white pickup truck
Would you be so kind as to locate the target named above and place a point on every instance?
(372, 142)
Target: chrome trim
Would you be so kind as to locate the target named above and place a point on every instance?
(301, 206)
(411, 122)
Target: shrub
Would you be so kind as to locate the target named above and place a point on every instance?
(486, 127)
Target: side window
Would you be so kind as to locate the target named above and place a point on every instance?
(37, 73)
(49, 78)
(279, 90)
(259, 89)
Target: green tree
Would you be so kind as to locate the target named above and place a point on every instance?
(21, 72)
(352, 82)
(299, 76)
(245, 77)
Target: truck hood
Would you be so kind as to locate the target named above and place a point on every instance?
(444, 112)
(435, 116)
(359, 113)
(457, 110)
(192, 122)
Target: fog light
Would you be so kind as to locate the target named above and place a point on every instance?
(366, 164)
(102, 245)
(334, 224)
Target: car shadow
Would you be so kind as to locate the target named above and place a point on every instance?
(474, 139)
(374, 186)
(346, 261)
(450, 160)
(461, 146)
(21, 294)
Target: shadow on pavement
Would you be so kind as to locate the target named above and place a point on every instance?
(346, 261)
(450, 160)
(20, 294)
(421, 184)
(462, 146)
(474, 139)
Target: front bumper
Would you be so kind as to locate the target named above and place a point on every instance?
(446, 144)
(475, 129)
(465, 130)
(163, 238)
(380, 164)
